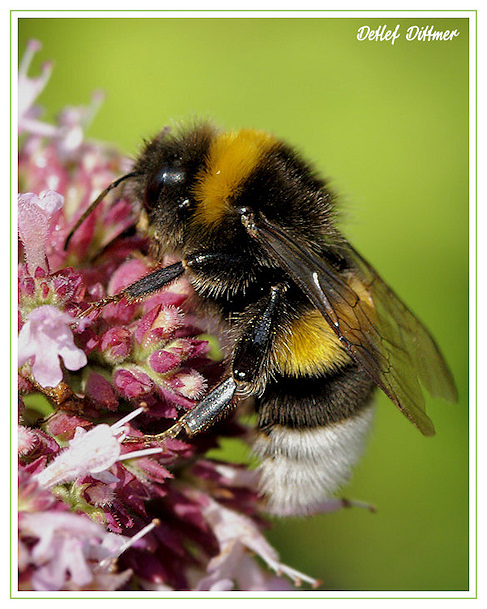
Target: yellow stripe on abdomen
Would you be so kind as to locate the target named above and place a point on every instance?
(231, 159)
(309, 347)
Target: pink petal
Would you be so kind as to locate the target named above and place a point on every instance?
(45, 336)
(50, 201)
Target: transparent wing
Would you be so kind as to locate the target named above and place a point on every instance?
(373, 324)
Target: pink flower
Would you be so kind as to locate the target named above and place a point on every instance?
(45, 337)
(162, 361)
(35, 214)
(160, 323)
(63, 546)
(34, 442)
(92, 453)
(72, 122)
(72, 552)
(190, 384)
(132, 383)
(236, 535)
(30, 89)
(116, 344)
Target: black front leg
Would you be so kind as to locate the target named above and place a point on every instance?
(205, 262)
(143, 287)
(153, 282)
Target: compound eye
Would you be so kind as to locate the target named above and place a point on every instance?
(166, 181)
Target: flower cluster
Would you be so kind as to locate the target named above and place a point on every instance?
(96, 513)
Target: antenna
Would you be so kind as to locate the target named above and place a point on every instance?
(95, 204)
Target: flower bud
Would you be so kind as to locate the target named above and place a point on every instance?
(162, 361)
(116, 344)
(132, 383)
(100, 391)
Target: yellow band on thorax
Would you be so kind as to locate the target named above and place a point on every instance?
(232, 157)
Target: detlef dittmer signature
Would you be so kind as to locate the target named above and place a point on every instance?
(425, 33)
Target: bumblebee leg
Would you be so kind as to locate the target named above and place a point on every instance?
(153, 282)
(209, 410)
(250, 354)
(156, 280)
(141, 288)
(253, 347)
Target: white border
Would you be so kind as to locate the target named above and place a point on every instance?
(15, 15)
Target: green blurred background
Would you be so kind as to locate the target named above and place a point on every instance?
(389, 125)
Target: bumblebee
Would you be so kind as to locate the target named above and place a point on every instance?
(313, 330)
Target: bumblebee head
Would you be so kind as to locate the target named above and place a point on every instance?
(166, 173)
(193, 184)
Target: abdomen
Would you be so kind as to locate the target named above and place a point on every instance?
(312, 432)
